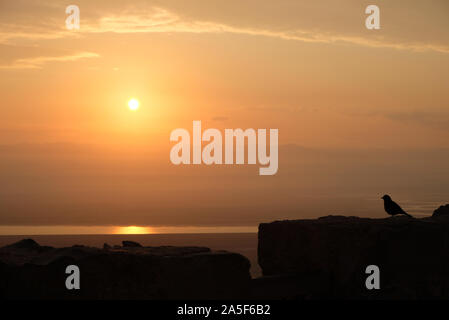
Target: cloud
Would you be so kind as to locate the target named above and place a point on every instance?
(38, 62)
(435, 119)
(31, 34)
(160, 20)
(438, 119)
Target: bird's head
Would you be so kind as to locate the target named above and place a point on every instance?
(386, 197)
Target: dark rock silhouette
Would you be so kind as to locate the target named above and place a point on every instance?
(28, 244)
(300, 259)
(30, 271)
(327, 257)
(442, 211)
(131, 244)
(392, 208)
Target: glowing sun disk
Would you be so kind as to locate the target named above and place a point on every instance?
(132, 230)
(133, 104)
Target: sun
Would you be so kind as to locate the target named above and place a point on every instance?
(133, 104)
(132, 230)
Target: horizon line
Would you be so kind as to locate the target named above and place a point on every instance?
(41, 230)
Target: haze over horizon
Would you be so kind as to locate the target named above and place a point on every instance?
(360, 113)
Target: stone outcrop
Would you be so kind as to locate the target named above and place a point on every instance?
(442, 211)
(131, 244)
(327, 257)
(301, 259)
(31, 271)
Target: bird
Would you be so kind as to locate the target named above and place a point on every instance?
(392, 208)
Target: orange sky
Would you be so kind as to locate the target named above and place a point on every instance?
(359, 112)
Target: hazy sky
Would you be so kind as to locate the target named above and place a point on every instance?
(360, 112)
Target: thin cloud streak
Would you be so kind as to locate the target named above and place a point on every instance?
(38, 62)
(160, 20)
(164, 21)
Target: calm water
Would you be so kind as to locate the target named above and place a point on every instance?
(243, 243)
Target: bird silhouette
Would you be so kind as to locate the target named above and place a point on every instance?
(392, 208)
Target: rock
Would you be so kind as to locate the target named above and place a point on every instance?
(131, 244)
(106, 246)
(327, 257)
(25, 244)
(140, 273)
(23, 251)
(442, 211)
